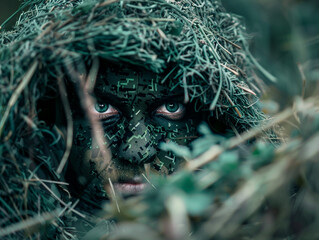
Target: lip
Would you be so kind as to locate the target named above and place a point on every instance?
(130, 186)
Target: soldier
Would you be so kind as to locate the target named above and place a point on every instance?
(102, 86)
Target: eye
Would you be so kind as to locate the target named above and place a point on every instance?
(172, 107)
(171, 110)
(101, 107)
(103, 110)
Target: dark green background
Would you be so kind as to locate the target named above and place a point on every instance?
(285, 34)
(7, 7)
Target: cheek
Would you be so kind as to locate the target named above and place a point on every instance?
(86, 158)
(180, 132)
(81, 135)
(89, 163)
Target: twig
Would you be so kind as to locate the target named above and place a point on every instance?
(247, 89)
(64, 209)
(232, 103)
(56, 197)
(148, 181)
(46, 30)
(91, 79)
(97, 130)
(304, 80)
(29, 223)
(69, 138)
(225, 39)
(72, 206)
(114, 195)
(151, 19)
(230, 69)
(49, 181)
(16, 94)
(108, 2)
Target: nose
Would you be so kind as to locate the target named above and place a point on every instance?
(137, 145)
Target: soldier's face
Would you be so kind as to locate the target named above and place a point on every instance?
(137, 112)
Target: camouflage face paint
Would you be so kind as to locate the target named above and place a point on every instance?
(137, 112)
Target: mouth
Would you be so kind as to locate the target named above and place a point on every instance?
(130, 186)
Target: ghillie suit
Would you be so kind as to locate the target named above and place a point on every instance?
(197, 44)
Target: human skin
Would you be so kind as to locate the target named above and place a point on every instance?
(137, 112)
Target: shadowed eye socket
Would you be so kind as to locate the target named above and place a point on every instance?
(103, 110)
(171, 110)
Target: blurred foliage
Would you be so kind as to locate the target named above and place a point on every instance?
(284, 35)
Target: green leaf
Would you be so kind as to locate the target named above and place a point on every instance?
(226, 163)
(197, 203)
(179, 150)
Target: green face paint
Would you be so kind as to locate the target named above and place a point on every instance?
(137, 113)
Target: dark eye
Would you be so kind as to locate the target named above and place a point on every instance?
(171, 110)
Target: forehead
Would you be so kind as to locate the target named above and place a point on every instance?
(128, 82)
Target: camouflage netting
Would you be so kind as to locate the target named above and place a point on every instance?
(203, 46)
(203, 49)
